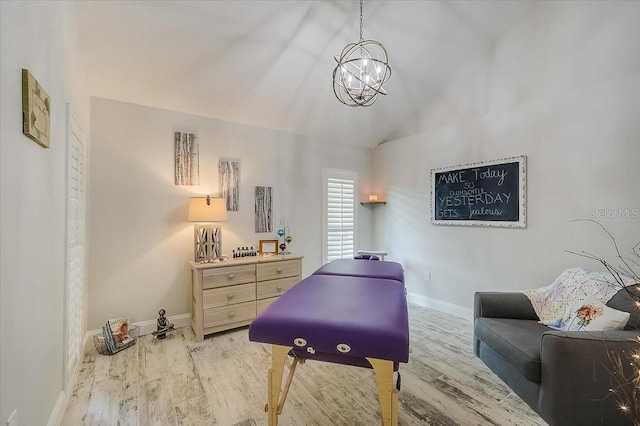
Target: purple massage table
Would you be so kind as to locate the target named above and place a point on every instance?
(358, 320)
(363, 268)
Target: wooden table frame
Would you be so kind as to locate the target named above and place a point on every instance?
(276, 397)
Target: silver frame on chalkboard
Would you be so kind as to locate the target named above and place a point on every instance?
(522, 192)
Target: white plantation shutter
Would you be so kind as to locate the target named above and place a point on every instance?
(339, 214)
(75, 246)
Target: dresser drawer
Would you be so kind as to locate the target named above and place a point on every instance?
(261, 305)
(275, 270)
(232, 295)
(235, 313)
(275, 288)
(230, 275)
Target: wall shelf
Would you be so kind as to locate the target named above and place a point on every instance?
(372, 203)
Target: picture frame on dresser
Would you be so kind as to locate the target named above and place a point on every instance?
(268, 247)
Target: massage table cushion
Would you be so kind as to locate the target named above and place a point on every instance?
(363, 268)
(340, 319)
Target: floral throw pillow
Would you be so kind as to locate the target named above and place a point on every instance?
(593, 315)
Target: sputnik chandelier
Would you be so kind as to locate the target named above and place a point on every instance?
(362, 69)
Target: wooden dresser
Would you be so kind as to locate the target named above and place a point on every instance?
(229, 294)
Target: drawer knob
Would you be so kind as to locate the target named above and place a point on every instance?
(232, 314)
(231, 296)
(279, 288)
(231, 276)
(279, 270)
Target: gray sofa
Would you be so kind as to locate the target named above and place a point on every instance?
(565, 376)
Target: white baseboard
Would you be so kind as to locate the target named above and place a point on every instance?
(146, 327)
(57, 415)
(439, 305)
(55, 419)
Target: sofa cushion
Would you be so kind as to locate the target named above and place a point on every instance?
(517, 341)
(625, 300)
(593, 315)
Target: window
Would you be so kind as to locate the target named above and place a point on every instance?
(339, 214)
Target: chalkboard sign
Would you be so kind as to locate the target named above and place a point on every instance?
(491, 193)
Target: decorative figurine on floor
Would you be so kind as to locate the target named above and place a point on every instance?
(165, 328)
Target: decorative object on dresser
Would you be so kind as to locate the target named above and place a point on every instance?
(187, 167)
(268, 247)
(230, 294)
(285, 233)
(207, 243)
(244, 252)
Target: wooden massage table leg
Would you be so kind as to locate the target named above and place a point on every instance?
(387, 393)
(285, 392)
(274, 379)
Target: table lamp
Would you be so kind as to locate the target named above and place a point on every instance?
(207, 238)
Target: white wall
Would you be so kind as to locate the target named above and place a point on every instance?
(39, 36)
(141, 240)
(561, 86)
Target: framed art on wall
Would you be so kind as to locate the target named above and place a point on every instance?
(263, 217)
(229, 182)
(36, 110)
(488, 193)
(187, 167)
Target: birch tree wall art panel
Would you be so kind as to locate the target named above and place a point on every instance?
(263, 216)
(229, 182)
(187, 159)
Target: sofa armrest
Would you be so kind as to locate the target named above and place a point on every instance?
(578, 372)
(503, 305)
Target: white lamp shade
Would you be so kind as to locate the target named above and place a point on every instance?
(200, 211)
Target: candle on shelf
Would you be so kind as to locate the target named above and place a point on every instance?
(373, 198)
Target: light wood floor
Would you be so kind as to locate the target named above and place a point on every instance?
(222, 381)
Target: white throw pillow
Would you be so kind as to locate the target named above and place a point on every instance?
(593, 315)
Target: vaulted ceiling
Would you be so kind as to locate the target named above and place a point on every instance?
(269, 63)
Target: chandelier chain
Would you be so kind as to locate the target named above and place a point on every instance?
(361, 38)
